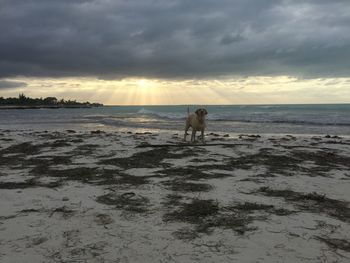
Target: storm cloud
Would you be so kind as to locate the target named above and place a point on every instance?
(174, 39)
(8, 84)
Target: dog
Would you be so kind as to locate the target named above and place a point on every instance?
(197, 122)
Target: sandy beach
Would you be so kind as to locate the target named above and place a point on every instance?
(104, 196)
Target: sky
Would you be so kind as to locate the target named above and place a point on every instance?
(123, 52)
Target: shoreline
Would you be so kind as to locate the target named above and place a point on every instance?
(88, 127)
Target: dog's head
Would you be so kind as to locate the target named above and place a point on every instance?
(201, 113)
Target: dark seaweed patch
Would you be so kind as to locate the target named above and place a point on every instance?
(18, 153)
(254, 179)
(238, 222)
(190, 173)
(25, 148)
(152, 158)
(96, 176)
(44, 162)
(127, 202)
(30, 183)
(312, 202)
(63, 210)
(86, 149)
(11, 160)
(185, 233)
(184, 186)
(59, 143)
(149, 159)
(198, 160)
(206, 215)
(6, 139)
(324, 159)
(103, 219)
(131, 180)
(78, 140)
(172, 200)
(336, 243)
(82, 174)
(286, 164)
(249, 207)
(91, 175)
(193, 212)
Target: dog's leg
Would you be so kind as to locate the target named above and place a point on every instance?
(202, 134)
(186, 129)
(193, 136)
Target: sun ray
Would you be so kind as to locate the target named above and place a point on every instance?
(237, 90)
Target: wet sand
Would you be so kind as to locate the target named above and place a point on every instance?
(98, 196)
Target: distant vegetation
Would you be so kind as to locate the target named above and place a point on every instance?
(51, 102)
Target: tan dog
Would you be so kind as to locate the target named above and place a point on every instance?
(197, 122)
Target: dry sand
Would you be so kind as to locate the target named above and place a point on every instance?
(82, 196)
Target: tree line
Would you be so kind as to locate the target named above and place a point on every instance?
(23, 100)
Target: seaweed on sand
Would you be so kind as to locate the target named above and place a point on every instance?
(325, 160)
(85, 149)
(83, 174)
(148, 159)
(285, 164)
(194, 211)
(172, 200)
(129, 202)
(16, 154)
(191, 173)
(43, 167)
(249, 207)
(30, 183)
(273, 162)
(206, 215)
(44, 162)
(336, 243)
(185, 233)
(103, 219)
(312, 202)
(63, 210)
(25, 148)
(91, 175)
(151, 159)
(184, 186)
(199, 160)
(59, 143)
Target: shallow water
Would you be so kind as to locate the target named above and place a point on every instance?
(262, 119)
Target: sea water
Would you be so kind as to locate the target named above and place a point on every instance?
(258, 119)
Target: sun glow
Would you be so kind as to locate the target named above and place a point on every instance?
(144, 83)
(142, 91)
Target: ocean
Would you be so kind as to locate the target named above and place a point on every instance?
(312, 119)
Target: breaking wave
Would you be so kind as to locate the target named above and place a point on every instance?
(257, 118)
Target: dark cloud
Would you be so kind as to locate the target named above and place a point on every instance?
(7, 84)
(174, 39)
(229, 39)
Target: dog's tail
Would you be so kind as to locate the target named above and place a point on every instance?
(188, 110)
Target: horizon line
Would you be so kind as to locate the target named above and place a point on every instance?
(257, 104)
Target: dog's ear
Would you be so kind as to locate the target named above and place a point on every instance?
(197, 111)
(205, 112)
